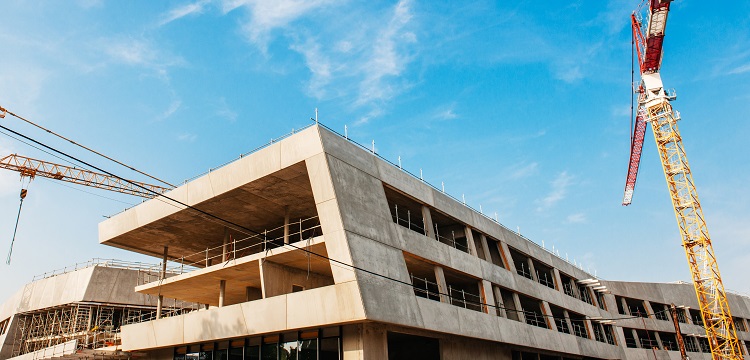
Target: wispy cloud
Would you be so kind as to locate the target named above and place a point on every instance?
(265, 16)
(223, 110)
(388, 58)
(522, 170)
(559, 191)
(318, 64)
(577, 218)
(446, 112)
(174, 105)
(187, 137)
(185, 10)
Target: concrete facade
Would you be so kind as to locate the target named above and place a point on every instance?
(314, 239)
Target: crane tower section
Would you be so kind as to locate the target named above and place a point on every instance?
(654, 107)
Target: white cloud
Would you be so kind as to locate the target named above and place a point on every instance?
(520, 171)
(265, 16)
(446, 112)
(740, 69)
(559, 191)
(173, 107)
(577, 218)
(185, 10)
(223, 110)
(187, 137)
(387, 59)
(318, 64)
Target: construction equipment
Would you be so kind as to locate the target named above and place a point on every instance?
(30, 168)
(654, 108)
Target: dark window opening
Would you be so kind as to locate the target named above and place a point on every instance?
(600, 300)
(691, 344)
(620, 308)
(585, 293)
(681, 317)
(568, 285)
(449, 231)
(636, 307)
(544, 274)
(703, 342)
(669, 341)
(660, 311)
(408, 347)
(297, 288)
(532, 311)
(647, 339)
(405, 211)
(695, 315)
(629, 338)
(558, 314)
(422, 275)
(739, 323)
(463, 291)
(578, 322)
(521, 261)
(509, 304)
(478, 245)
(495, 256)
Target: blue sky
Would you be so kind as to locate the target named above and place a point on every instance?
(521, 107)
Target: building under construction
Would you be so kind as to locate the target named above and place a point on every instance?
(314, 247)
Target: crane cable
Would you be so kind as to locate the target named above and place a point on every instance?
(24, 191)
(3, 111)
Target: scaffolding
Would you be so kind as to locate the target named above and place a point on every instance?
(92, 325)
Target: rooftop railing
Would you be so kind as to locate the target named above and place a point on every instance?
(111, 263)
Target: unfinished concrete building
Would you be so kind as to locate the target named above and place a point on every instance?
(77, 312)
(316, 248)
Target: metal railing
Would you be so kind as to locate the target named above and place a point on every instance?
(425, 288)
(111, 263)
(524, 271)
(464, 299)
(648, 343)
(545, 279)
(691, 345)
(304, 229)
(562, 325)
(535, 318)
(579, 328)
(407, 221)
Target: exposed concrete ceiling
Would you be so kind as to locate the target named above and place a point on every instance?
(257, 205)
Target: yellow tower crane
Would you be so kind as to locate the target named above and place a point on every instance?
(654, 108)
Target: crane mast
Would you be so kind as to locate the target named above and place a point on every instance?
(654, 108)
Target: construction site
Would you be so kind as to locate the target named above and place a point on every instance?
(313, 246)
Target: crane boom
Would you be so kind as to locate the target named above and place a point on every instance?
(654, 108)
(31, 168)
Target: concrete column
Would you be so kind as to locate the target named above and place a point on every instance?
(159, 304)
(619, 336)
(485, 247)
(744, 347)
(222, 292)
(162, 276)
(499, 302)
(442, 285)
(649, 309)
(224, 252)
(558, 279)
(548, 316)
(429, 228)
(505, 254)
(589, 328)
(286, 225)
(262, 279)
(637, 339)
(567, 320)
(470, 241)
(532, 269)
(485, 288)
(519, 308)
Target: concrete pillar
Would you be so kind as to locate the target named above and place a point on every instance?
(485, 288)
(470, 241)
(485, 247)
(567, 320)
(649, 309)
(532, 269)
(548, 316)
(224, 250)
(558, 279)
(222, 292)
(589, 328)
(429, 228)
(159, 304)
(637, 339)
(286, 225)
(499, 302)
(442, 285)
(505, 254)
(519, 308)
